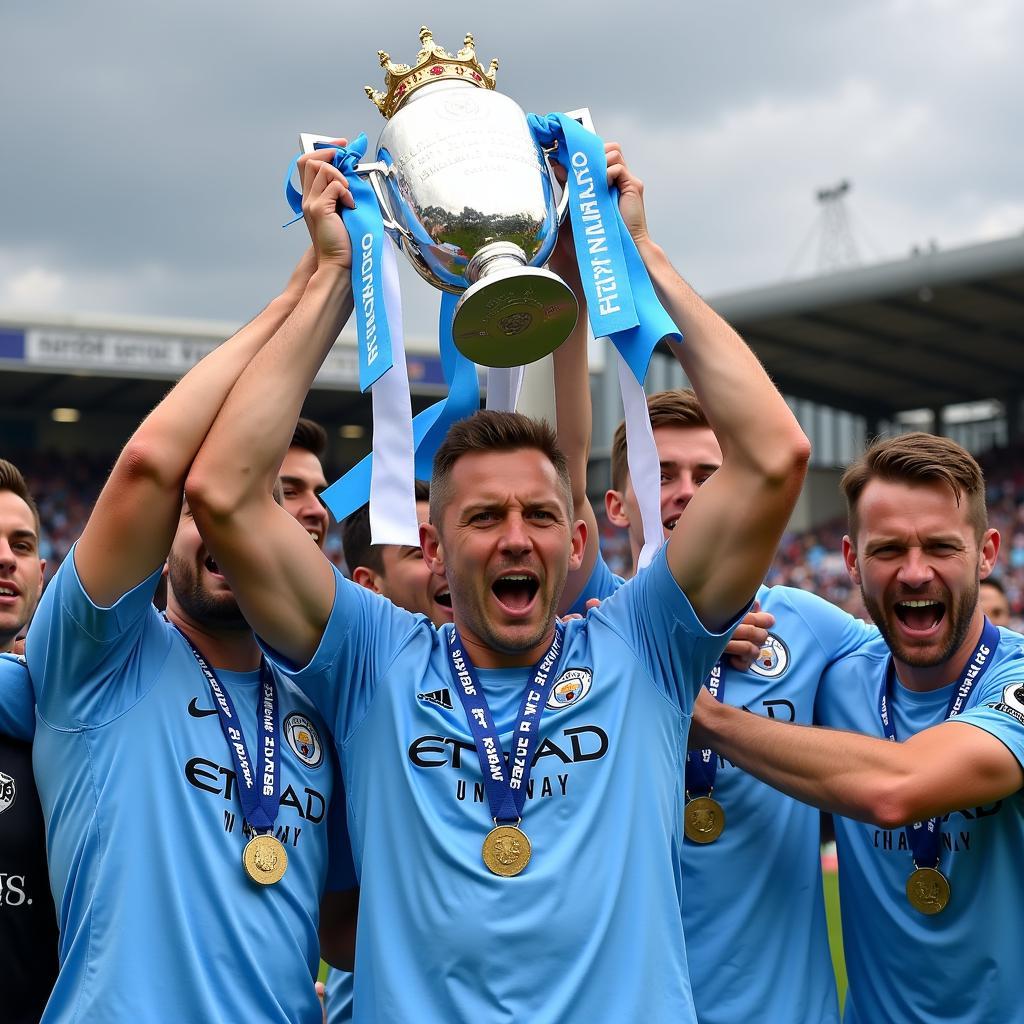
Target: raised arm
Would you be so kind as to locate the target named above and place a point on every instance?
(282, 581)
(133, 522)
(725, 540)
(573, 412)
(942, 769)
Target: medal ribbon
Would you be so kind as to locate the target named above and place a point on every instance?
(259, 788)
(505, 784)
(702, 765)
(924, 836)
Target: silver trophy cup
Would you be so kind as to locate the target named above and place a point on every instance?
(468, 195)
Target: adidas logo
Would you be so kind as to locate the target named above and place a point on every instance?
(442, 698)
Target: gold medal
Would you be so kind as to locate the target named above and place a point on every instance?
(506, 850)
(928, 890)
(265, 859)
(703, 820)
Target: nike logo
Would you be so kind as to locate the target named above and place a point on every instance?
(199, 712)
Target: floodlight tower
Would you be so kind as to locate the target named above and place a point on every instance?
(837, 248)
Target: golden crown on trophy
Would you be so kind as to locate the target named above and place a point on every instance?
(433, 64)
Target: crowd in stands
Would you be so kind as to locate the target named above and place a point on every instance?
(66, 487)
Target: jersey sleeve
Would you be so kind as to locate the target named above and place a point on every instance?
(17, 706)
(601, 584)
(836, 632)
(86, 662)
(655, 618)
(362, 635)
(999, 709)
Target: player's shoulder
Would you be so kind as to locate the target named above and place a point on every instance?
(873, 652)
(12, 665)
(1008, 660)
(801, 602)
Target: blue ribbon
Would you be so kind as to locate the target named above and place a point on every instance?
(505, 784)
(924, 837)
(365, 226)
(259, 784)
(429, 427)
(702, 765)
(621, 300)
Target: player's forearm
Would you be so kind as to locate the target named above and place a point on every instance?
(857, 776)
(164, 445)
(751, 420)
(244, 449)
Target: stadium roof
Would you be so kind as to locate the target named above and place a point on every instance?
(935, 329)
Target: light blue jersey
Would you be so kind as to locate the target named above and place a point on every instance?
(338, 996)
(753, 910)
(158, 921)
(17, 705)
(590, 931)
(905, 967)
(601, 584)
(753, 907)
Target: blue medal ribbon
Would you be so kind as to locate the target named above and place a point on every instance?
(365, 226)
(505, 784)
(924, 837)
(621, 300)
(259, 785)
(702, 765)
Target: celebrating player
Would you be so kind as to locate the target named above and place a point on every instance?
(740, 939)
(28, 924)
(185, 782)
(588, 926)
(927, 775)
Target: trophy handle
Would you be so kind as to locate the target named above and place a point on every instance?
(376, 172)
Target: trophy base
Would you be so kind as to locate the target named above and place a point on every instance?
(514, 316)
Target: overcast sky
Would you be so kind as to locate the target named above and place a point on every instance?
(144, 143)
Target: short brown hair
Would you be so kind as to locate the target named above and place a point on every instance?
(12, 480)
(310, 436)
(915, 459)
(493, 431)
(677, 408)
(355, 536)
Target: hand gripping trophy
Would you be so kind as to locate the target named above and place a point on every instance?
(467, 194)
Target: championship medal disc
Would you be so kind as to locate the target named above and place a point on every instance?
(928, 890)
(265, 859)
(506, 850)
(703, 820)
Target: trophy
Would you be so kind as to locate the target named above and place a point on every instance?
(468, 195)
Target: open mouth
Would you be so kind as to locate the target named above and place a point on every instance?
(212, 567)
(443, 598)
(315, 534)
(921, 615)
(670, 523)
(7, 591)
(515, 591)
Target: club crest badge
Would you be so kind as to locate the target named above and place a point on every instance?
(773, 658)
(303, 738)
(572, 686)
(8, 791)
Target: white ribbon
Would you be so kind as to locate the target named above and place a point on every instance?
(503, 386)
(393, 517)
(643, 461)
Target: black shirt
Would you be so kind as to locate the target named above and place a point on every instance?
(28, 924)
